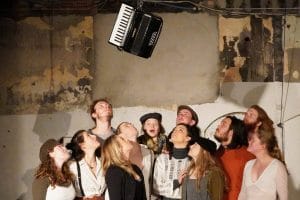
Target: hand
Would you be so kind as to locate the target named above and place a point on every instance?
(181, 176)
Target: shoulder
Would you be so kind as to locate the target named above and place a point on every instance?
(114, 170)
(136, 169)
(216, 172)
(249, 163)
(279, 164)
(39, 188)
(161, 157)
(72, 166)
(141, 139)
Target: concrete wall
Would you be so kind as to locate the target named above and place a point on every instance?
(184, 60)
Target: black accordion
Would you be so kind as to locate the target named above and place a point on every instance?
(135, 31)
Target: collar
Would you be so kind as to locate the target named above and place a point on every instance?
(180, 153)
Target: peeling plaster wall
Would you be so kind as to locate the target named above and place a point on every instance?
(46, 64)
(251, 48)
(22, 135)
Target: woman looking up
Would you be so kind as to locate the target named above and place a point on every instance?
(153, 132)
(55, 171)
(124, 180)
(266, 176)
(86, 166)
(204, 179)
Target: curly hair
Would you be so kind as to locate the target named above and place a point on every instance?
(49, 170)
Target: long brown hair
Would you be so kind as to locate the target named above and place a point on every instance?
(112, 155)
(204, 162)
(49, 170)
(267, 136)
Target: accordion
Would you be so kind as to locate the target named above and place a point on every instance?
(136, 32)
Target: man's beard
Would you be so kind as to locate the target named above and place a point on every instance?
(220, 139)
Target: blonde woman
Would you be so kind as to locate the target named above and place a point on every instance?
(266, 176)
(139, 155)
(204, 179)
(124, 180)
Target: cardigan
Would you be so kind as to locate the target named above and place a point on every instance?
(212, 186)
(122, 186)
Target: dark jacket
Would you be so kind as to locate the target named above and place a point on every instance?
(122, 186)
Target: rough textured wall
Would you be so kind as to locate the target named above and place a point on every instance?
(251, 48)
(292, 49)
(46, 64)
(183, 69)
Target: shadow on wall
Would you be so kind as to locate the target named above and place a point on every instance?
(54, 125)
(253, 96)
(293, 192)
(27, 179)
(241, 95)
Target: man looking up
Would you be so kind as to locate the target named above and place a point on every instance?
(102, 114)
(232, 153)
(186, 115)
(254, 117)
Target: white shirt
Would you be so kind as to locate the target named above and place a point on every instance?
(165, 172)
(91, 184)
(60, 193)
(271, 183)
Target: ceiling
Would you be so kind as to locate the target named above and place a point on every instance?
(18, 9)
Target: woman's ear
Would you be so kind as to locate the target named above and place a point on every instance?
(82, 146)
(94, 115)
(188, 138)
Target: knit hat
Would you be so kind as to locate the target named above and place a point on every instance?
(154, 115)
(206, 144)
(194, 114)
(46, 147)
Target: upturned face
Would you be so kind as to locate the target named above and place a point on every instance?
(90, 142)
(102, 109)
(180, 135)
(126, 146)
(251, 117)
(128, 130)
(254, 144)
(222, 131)
(60, 152)
(184, 116)
(151, 126)
(194, 150)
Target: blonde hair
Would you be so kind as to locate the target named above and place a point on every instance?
(112, 155)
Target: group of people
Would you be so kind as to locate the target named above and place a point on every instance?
(120, 164)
